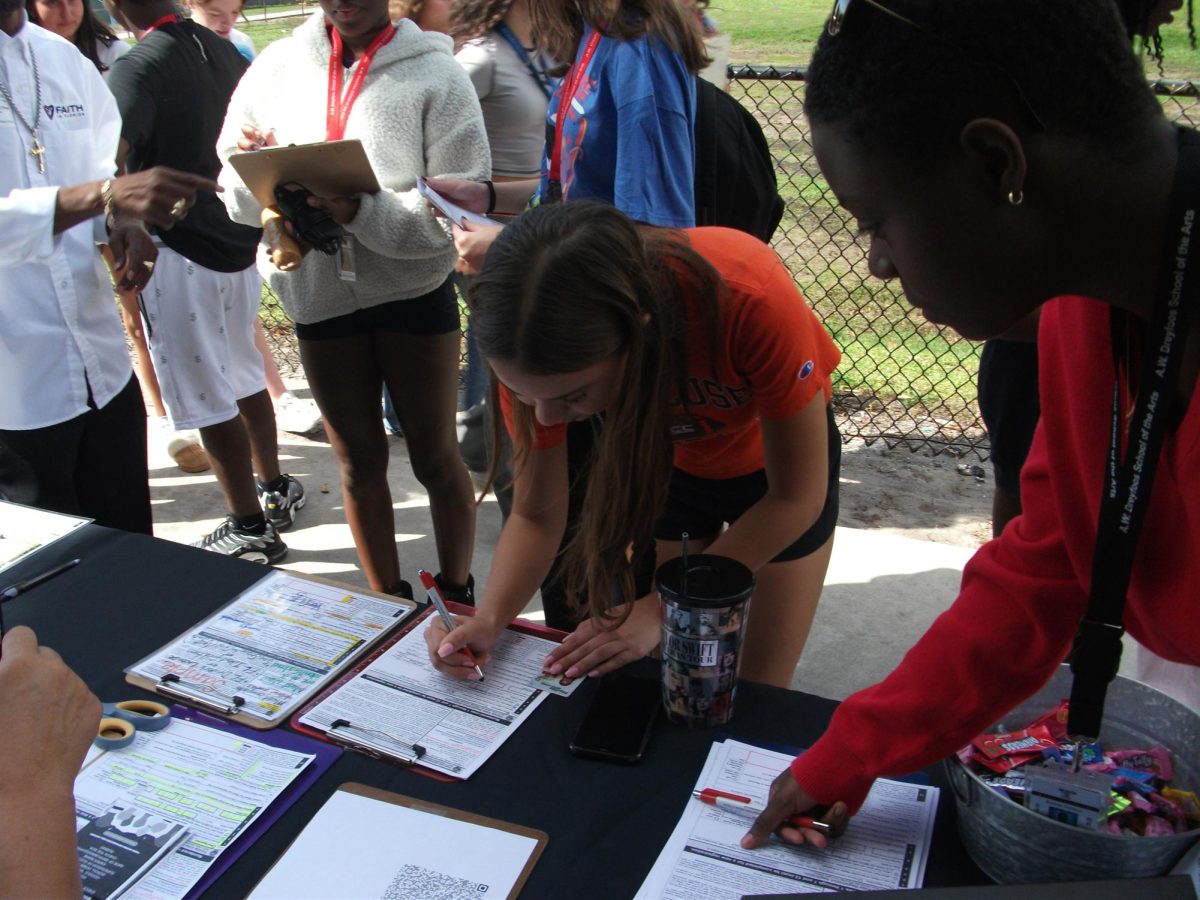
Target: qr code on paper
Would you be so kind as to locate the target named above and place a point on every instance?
(418, 883)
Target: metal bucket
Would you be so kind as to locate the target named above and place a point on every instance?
(1015, 845)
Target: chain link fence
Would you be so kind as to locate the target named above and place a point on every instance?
(902, 379)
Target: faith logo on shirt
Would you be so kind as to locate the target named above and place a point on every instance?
(806, 370)
(71, 111)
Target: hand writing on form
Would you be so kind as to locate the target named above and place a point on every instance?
(787, 798)
(477, 632)
(595, 647)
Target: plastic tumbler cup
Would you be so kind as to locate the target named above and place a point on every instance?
(704, 613)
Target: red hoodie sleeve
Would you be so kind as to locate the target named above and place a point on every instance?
(1010, 627)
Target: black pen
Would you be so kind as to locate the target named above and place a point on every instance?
(22, 586)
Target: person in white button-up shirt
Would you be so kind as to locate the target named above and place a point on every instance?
(72, 424)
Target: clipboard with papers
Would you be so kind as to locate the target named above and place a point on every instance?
(352, 840)
(270, 649)
(394, 706)
(327, 168)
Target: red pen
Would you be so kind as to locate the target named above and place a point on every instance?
(746, 806)
(439, 603)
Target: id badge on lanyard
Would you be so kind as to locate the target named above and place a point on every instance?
(338, 114)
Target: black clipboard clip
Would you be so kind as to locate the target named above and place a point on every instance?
(171, 685)
(394, 748)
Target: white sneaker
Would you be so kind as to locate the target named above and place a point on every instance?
(296, 415)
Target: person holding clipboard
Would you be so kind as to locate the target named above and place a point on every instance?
(711, 377)
(381, 309)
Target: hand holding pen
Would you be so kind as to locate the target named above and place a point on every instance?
(445, 650)
(789, 799)
(745, 806)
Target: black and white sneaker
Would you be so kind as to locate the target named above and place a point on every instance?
(232, 541)
(280, 507)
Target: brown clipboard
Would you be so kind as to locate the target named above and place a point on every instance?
(327, 168)
(218, 705)
(448, 812)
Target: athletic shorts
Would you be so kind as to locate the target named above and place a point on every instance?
(1009, 405)
(200, 329)
(701, 506)
(429, 314)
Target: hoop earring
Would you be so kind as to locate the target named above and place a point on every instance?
(1016, 198)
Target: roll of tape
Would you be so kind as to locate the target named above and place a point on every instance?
(145, 715)
(114, 734)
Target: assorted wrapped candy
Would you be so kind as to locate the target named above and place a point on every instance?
(1121, 791)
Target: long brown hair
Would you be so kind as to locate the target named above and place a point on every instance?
(568, 285)
(558, 26)
(474, 18)
(90, 30)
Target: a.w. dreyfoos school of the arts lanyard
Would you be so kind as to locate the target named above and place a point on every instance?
(337, 114)
(565, 100)
(1128, 482)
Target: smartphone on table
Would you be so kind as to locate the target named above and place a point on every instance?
(618, 724)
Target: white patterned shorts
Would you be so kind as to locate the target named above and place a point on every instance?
(201, 336)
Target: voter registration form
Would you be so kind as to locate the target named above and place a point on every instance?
(885, 846)
(400, 702)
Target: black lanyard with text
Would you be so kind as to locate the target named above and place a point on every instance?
(1097, 651)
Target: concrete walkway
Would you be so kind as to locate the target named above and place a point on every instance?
(881, 593)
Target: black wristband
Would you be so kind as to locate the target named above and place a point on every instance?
(491, 197)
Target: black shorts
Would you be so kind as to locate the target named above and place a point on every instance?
(1008, 403)
(429, 314)
(700, 506)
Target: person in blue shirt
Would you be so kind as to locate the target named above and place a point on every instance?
(627, 137)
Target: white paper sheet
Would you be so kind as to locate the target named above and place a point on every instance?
(401, 700)
(275, 644)
(451, 210)
(361, 847)
(213, 782)
(885, 846)
(25, 530)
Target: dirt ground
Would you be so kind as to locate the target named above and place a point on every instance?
(915, 494)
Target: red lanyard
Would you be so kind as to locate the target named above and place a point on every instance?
(567, 98)
(338, 111)
(168, 19)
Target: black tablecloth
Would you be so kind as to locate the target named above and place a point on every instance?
(607, 823)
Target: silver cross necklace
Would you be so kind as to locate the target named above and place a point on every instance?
(38, 150)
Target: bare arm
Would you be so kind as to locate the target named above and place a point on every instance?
(47, 720)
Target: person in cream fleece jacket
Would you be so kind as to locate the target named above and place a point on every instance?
(394, 319)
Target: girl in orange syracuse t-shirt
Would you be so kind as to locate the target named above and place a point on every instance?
(707, 378)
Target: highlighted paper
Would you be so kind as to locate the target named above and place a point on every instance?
(25, 530)
(275, 645)
(885, 846)
(213, 782)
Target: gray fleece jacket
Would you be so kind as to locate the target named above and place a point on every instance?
(417, 114)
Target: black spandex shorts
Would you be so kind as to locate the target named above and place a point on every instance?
(429, 314)
(700, 506)
(1008, 402)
